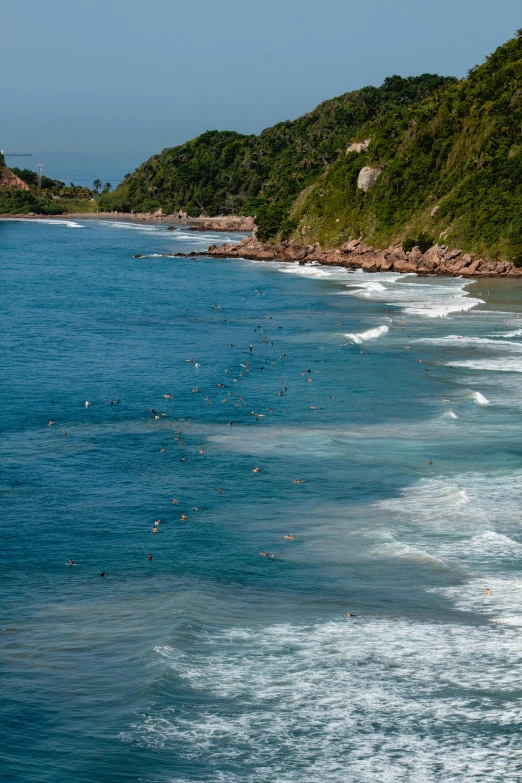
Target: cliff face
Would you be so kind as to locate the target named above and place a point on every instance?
(9, 180)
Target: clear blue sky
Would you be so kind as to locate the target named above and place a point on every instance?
(107, 75)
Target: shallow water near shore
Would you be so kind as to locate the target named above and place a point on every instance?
(393, 400)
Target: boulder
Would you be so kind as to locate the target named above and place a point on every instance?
(369, 263)
(426, 265)
(414, 255)
(368, 177)
(399, 265)
(349, 246)
(451, 254)
(409, 266)
(295, 252)
(333, 256)
(388, 261)
(432, 254)
(435, 210)
(266, 255)
(456, 266)
(473, 267)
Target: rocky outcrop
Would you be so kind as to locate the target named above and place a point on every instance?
(355, 254)
(9, 180)
(225, 224)
(367, 178)
(358, 146)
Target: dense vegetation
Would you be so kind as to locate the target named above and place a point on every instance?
(223, 172)
(459, 151)
(22, 202)
(52, 198)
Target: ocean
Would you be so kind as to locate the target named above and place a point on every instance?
(384, 414)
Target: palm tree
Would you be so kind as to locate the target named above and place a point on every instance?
(107, 188)
(97, 184)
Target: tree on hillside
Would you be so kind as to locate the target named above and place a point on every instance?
(107, 188)
(97, 185)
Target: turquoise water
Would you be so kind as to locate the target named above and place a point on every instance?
(211, 663)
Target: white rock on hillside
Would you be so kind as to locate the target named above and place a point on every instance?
(367, 177)
(359, 146)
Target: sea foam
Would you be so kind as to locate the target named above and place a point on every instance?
(370, 334)
(383, 698)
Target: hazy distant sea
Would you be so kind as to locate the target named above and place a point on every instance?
(82, 168)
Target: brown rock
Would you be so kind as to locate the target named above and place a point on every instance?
(295, 252)
(472, 268)
(349, 246)
(456, 266)
(426, 265)
(369, 263)
(451, 254)
(388, 261)
(433, 254)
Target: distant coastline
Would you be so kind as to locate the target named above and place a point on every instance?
(221, 223)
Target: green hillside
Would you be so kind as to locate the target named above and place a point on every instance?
(223, 172)
(458, 151)
(447, 155)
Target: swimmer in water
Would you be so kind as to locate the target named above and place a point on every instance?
(184, 517)
(182, 459)
(220, 490)
(289, 537)
(87, 403)
(149, 557)
(348, 614)
(256, 470)
(163, 450)
(299, 481)
(174, 500)
(64, 432)
(102, 573)
(263, 554)
(168, 396)
(154, 529)
(51, 422)
(71, 562)
(488, 591)
(202, 451)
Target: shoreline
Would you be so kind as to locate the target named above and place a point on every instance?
(438, 260)
(230, 223)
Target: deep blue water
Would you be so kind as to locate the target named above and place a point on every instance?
(401, 415)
